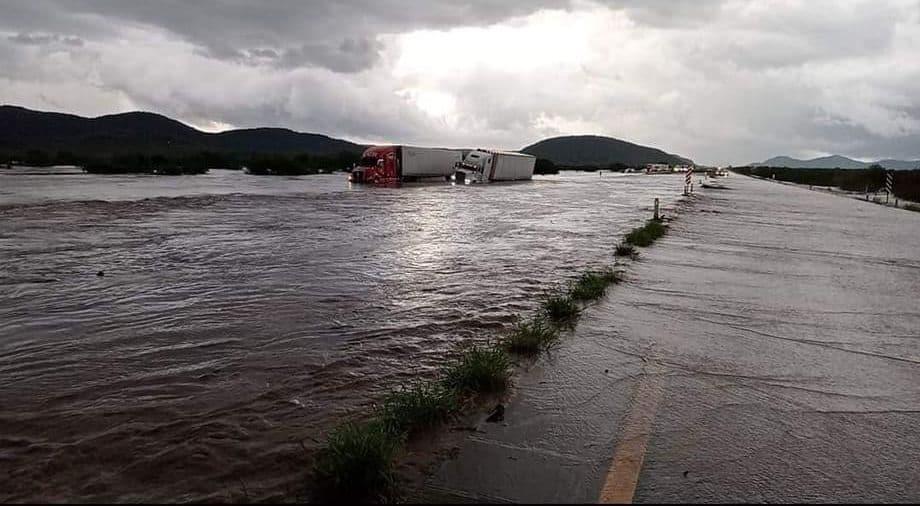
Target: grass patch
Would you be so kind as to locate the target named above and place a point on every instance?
(530, 338)
(625, 249)
(561, 309)
(357, 463)
(417, 407)
(912, 207)
(593, 285)
(646, 234)
(479, 369)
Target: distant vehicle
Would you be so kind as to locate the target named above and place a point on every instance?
(483, 166)
(396, 164)
(658, 168)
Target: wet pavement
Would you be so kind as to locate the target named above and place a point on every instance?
(766, 350)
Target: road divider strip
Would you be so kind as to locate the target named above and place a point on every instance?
(623, 474)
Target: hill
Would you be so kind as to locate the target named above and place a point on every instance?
(23, 129)
(835, 162)
(598, 151)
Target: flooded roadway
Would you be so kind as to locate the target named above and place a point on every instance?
(240, 317)
(765, 350)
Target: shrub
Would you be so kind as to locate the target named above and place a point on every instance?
(530, 338)
(593, 284)
(544, 166)
(357, 462)
(647, 234)
(420, 406)
(627, 250)
(561, 309)
(479, 370)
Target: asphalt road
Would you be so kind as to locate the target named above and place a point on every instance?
(766, 350)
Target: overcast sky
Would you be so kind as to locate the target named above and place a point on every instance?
(717, 81)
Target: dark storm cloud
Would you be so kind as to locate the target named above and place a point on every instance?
(40, 39)
(349, 55)
(336, 35)
(36, 39)
(718, 80)
(847, 138)
(263, 53)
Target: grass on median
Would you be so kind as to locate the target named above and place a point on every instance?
(480, 369)
(645, 235)
(626, 250)
(561, 309)
(593, 285)
(357, 463)
(417, 407)
(531, 338)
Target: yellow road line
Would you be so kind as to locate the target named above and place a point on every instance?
(623, 475)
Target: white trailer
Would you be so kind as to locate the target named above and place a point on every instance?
(428, 162)
(483, 165)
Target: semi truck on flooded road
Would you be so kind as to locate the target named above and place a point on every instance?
(398, 164)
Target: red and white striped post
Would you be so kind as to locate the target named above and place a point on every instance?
(889, 185)
(688, 182)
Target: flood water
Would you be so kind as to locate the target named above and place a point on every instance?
(241, 317)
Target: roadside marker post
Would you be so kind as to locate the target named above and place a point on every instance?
(656, 210)
(688, 182)
(889, 184)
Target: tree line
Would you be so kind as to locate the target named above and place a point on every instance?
(872, 179)
(201, 162)
(190, 163)
(545, 166)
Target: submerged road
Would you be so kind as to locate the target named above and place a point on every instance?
(766, 350)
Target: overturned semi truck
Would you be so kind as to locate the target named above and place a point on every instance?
(483, 166)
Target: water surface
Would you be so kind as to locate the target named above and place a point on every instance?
(240, 317)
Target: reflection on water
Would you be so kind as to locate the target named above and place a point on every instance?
(239, 317)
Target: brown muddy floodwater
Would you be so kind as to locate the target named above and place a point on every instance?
(240, 317)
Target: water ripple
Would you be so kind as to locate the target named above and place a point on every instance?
(227, 298)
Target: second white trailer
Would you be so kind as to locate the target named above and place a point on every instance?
(485, 166)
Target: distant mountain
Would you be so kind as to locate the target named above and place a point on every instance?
(597, 151)
(899, 164)
(836, 162)
(23, 129)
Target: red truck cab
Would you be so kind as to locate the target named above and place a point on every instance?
(379, 165)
